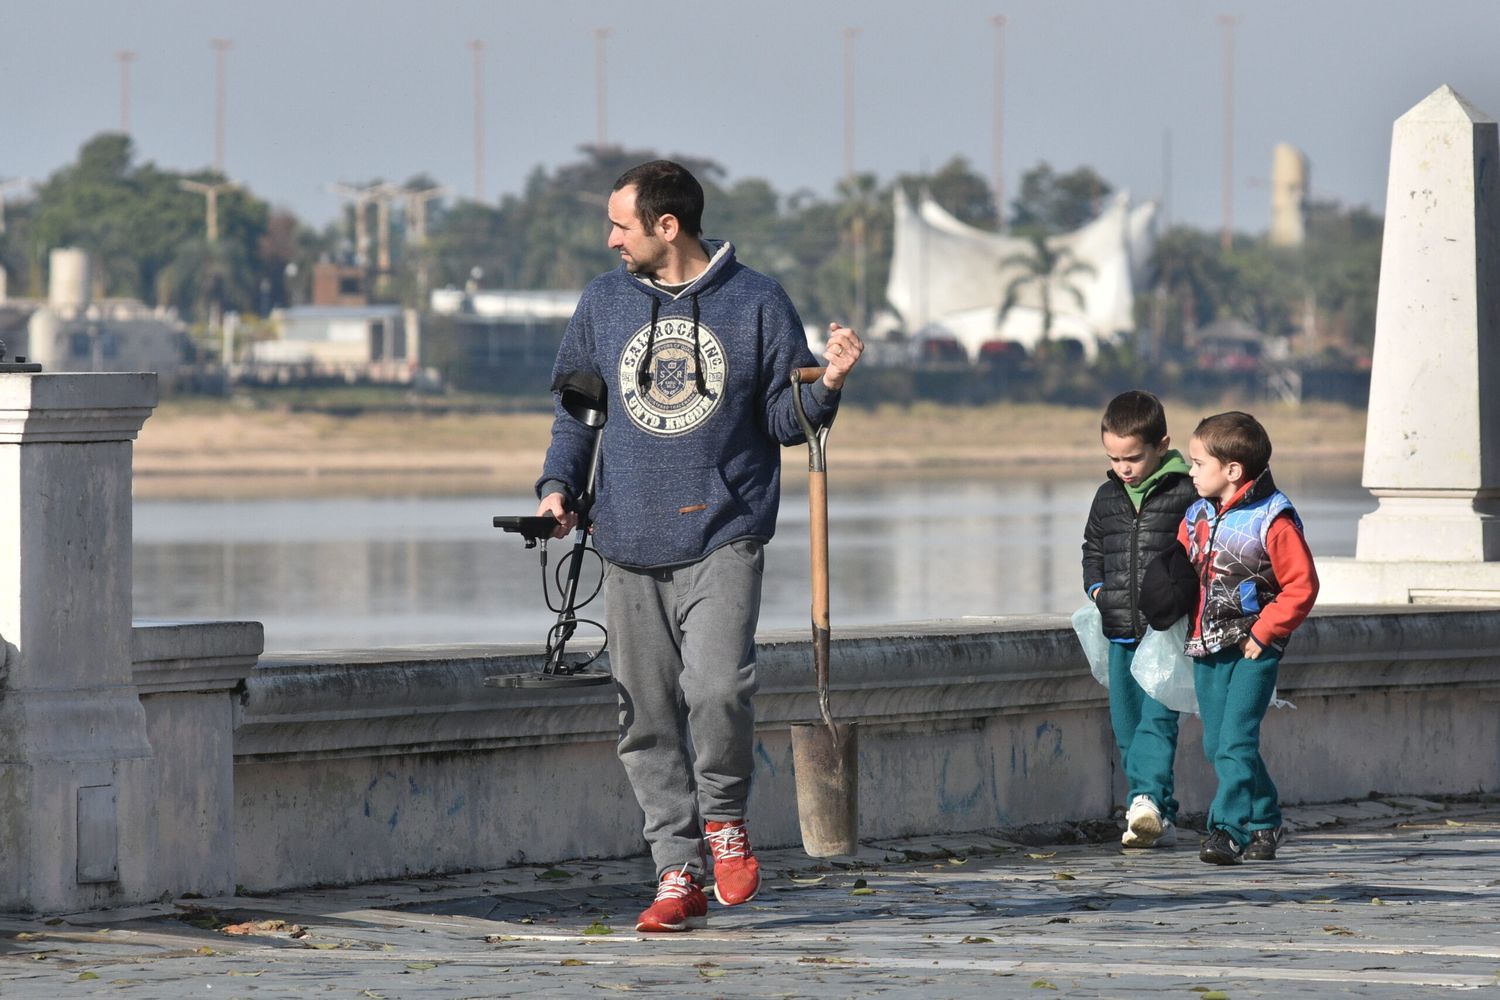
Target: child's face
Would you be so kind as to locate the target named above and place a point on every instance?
(1132, 459)
(1212, 478)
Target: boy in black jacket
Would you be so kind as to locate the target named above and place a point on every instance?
(1134, 518)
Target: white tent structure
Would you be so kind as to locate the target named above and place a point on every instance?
(950, 277)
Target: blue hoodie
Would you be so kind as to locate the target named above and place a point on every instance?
(699, 406)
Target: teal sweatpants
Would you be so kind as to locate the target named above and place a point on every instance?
(1145, 732)
(1234, 692)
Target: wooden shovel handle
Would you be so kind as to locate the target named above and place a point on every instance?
(807, 376)
(817, 504)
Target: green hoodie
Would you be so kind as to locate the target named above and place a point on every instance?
(1171, 462)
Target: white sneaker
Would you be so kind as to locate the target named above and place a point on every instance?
(1145, 824)
(1167, 838)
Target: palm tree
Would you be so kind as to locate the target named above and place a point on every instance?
(1050, 269)
(1187, 270)
(206, 278)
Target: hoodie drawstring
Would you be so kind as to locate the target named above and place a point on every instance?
(698, 352)
(643, 371)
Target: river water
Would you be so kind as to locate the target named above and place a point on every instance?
(342, 573)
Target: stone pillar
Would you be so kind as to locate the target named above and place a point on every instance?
(77, 797)
(1432, 444)
(1432, 440)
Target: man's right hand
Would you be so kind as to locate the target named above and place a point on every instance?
(556, 505)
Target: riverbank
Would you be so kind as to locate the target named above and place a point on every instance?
(193, 449)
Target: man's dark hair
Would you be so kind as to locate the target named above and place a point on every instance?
(665, 188)
(1135, 414)
(1236, 437)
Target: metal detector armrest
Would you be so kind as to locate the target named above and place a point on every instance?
(533, 529)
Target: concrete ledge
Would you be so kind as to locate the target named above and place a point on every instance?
(74, 406)
(193, 656)
(366, 764)
(186, 675)
(432, 699)
(1380, 582)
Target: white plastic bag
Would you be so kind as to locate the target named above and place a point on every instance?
(1090, 628)
(1163, 670)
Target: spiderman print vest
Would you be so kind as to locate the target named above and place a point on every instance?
(1228, 550)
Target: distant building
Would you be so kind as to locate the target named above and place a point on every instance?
(338, 285)
(71, 333)
(1229, 344)
(351, 343)
(1289, 178)
(498, 340)
(949, 279)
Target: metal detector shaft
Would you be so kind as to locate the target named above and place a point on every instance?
(567, 618)
(584, 396)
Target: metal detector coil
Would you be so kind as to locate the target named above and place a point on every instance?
(584, 397)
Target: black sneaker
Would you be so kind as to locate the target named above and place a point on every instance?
(1220, 849)
(1263, 844)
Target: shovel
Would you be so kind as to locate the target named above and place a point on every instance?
(825, 755)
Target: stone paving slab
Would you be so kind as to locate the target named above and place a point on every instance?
(1394, 901)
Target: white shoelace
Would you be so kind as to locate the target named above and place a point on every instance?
(675, 885)
(729, 843)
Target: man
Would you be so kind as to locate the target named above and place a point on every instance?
(697, 351)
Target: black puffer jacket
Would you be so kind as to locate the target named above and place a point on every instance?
(1118, 545)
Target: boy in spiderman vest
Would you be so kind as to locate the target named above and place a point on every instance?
(1256, 585)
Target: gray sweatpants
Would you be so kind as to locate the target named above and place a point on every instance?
(682, 648)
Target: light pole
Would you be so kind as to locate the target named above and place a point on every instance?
(210, 194)
(477, 47)
(126, 57)
(998, 181)
(1226, 237)
(601, 87)
(221, 50)
(857, 224)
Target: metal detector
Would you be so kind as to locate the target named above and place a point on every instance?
(584, 397)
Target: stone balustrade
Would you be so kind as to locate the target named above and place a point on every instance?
(374, 764)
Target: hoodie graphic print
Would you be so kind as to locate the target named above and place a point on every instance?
(672, 401)
(699, 406)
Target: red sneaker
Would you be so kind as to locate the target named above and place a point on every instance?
(680, 905)
(736, 872)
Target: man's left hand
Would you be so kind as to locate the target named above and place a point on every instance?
(842, 353)
(1251, 648)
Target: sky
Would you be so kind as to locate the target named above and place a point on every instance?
(320, 91)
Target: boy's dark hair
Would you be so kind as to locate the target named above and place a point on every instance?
(1236, 437)
(665, 188)
(1136, 414)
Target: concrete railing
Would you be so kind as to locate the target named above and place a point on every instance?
(189, 676)
(382, 763)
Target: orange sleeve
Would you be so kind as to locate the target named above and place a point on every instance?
(1292, 562)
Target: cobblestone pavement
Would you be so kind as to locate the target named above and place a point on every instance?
(1380, 898)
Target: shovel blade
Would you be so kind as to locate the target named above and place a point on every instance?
(827, 774)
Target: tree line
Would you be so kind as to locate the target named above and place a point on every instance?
(146, 233)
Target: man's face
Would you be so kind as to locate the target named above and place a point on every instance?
(1132, 459)
(641, 250)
